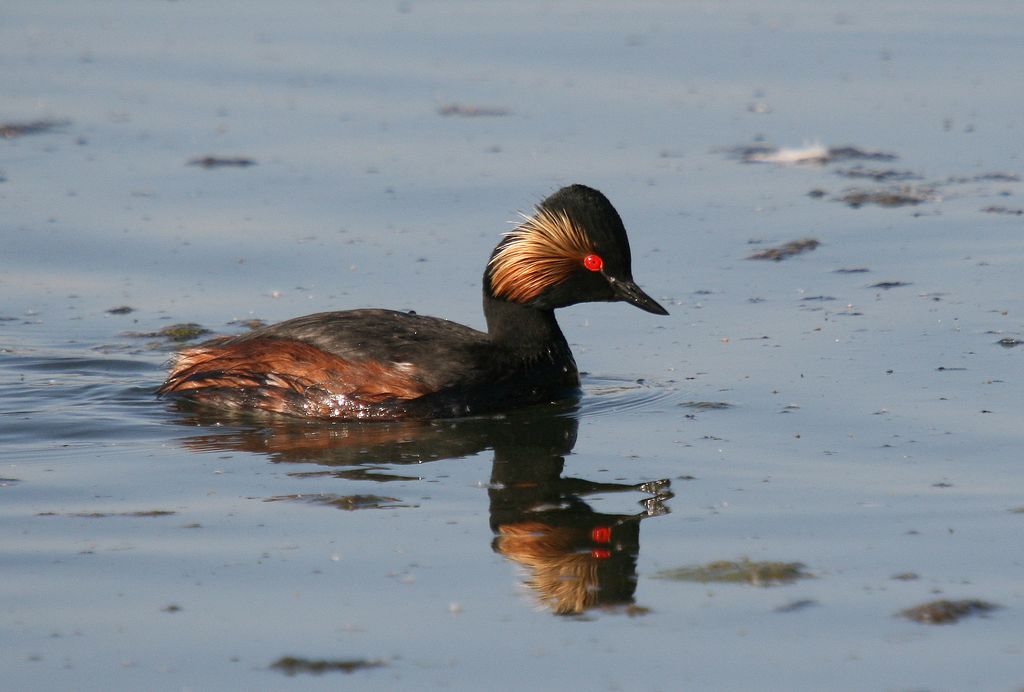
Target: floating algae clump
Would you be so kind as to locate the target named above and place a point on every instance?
(945, 612)
(744, 571)
(186, 331)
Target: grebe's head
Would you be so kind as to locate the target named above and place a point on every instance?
(573, 249)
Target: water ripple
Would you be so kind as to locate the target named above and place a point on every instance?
(611, 395)
(57, 397)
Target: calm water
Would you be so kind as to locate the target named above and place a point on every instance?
(856, 408)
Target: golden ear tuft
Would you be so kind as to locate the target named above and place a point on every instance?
(542, 251)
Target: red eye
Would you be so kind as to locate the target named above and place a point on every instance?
(593, 262)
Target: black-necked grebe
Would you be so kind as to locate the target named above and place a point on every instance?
(383, 364)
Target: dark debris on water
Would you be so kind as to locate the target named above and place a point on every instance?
(104, 515)
(790, 249)
(706, 405)
(222, 162)
(898, 196)
(349, 503)
(465, 111)
(993, 177)
(906, 576)
(293, 665)
(946, 612)
(896, 186)
(12, 130)
(1008, 211)
(858, 154)
(795, 606)
(887, 285)
(879, 175)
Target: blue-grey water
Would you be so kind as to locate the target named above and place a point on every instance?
(856, 408)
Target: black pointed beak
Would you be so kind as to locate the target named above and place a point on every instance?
(631, 293)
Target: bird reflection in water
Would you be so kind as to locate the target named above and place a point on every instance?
(575, 557)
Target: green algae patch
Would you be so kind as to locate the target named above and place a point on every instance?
(946, 612)
(185, 331)
(744, 571)
(178, 333)
(293, 665)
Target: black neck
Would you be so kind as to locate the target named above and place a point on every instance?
(523, 328)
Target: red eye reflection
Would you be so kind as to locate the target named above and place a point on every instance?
(593, 262)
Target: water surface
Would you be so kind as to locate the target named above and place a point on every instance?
(855, 409)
